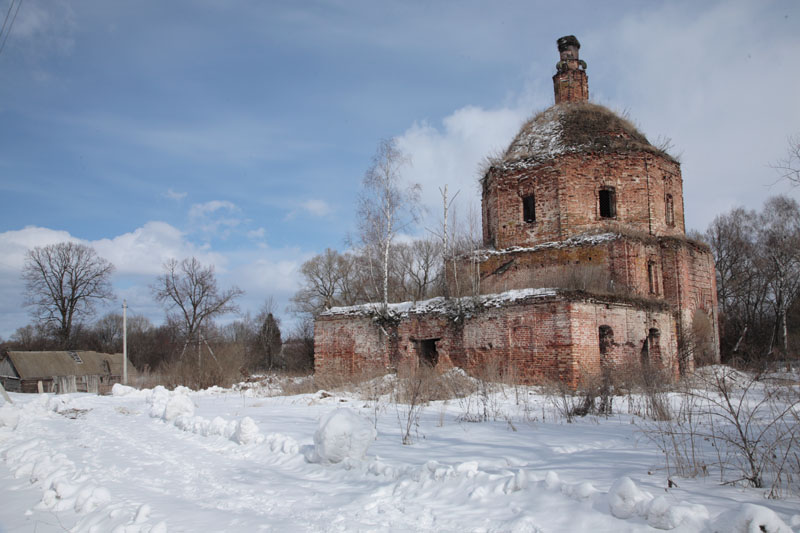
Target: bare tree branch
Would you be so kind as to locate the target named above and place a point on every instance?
(788, 168)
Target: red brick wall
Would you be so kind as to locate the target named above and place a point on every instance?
(682, 271)
(567, 198)
(537, 340)
(336, 343)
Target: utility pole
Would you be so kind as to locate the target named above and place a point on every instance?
(124, 342)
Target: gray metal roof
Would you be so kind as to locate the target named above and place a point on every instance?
(30, 365)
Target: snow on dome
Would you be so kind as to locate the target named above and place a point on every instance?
(342, 434)
(570, 128)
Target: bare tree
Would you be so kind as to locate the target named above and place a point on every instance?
(778, 256)
(63, 282)
(420, 265)
(741, 289)
(328, 282)
(188, 291)
(788, 168)
(757, 257)
(385, 206)
(107, 333)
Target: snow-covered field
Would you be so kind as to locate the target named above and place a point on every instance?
(233, 460)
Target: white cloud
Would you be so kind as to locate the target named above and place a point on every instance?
(145, 250)
(257, 233)
(452, 155)
(213, 218)
(316, 207)
(16, 243)
(201, 210)
(174, 195)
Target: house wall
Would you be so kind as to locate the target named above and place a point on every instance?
(567, 192)
(532, 341)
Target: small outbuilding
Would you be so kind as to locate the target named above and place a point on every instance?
(61, 371)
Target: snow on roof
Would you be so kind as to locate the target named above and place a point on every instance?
(442, 305)
(578, 240)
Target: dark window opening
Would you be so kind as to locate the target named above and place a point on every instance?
(606, 338)
(670, 210)
(651, 349)
(651, 277)
(608, 207)
(645, 355)
(529, 208)
(428, 356)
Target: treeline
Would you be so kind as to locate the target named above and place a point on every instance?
(257, 344)
(64, 281)
(757, 256)
(415, 272)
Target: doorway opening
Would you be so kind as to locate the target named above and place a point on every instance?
(428, 355)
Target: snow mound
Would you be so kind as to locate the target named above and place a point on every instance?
(661, 514)
(9, 417)
(279, 443)
(246, 431)
(342, 434)
(157, 400)
(750, 518)
(121, 390)
(625, 499)
(178, 405)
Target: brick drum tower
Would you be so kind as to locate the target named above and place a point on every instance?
(585, 262)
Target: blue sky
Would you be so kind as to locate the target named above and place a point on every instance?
(238, 131)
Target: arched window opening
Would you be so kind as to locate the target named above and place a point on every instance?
(529, 208)
(606, 339)
(654, 342)
(670, 210)
(608, 203)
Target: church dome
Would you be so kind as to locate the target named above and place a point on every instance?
(575, 127)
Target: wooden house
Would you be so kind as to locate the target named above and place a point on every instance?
(61, 371)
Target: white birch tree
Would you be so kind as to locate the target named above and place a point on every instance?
(386, 206)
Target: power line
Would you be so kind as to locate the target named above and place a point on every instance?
(8, 14)
(5, 38)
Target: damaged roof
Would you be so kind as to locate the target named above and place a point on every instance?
(578, 127)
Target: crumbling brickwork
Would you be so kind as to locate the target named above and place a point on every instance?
(580, 202)
(567, 196)
(555, 338)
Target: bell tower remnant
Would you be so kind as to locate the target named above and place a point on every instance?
(570, 82)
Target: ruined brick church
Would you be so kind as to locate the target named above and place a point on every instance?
(585, 266)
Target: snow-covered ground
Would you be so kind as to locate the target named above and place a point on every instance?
(228, 460)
